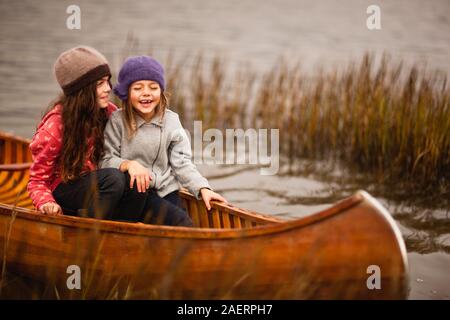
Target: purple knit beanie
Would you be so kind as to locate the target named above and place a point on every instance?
(136, 69)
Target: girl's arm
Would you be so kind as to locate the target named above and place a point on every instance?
(180, 155)
(113, 140)
(186, 172)
(45, 149)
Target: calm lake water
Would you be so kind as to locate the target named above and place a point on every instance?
(244, 32)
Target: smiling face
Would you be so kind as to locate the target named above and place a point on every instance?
(145, 96)
(103, 90)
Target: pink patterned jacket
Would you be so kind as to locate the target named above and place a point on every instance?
(45, 149)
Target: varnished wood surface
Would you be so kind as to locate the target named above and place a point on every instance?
(231, 253)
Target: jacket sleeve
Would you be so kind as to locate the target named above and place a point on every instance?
(185, 171)
(113, 139)
(45, 150)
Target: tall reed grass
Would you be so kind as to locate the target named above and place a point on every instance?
(375, 117)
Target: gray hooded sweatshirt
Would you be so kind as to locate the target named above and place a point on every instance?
(161, 146)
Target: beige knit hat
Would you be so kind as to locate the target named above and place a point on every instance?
(78, 67)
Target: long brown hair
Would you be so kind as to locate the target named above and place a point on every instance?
(129, 113)
(83, 124)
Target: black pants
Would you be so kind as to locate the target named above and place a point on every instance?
(105, 194)
(149, 207)
(167, 211)
(96, 194)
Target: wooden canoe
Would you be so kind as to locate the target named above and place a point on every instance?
(231, 253)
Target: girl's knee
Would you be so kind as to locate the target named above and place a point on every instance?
(168, 214)
(112, 179)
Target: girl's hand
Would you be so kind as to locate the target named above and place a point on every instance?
(51, 209)
(208, 195)
(139, 173)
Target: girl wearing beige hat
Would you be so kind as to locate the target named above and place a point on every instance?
(68, 143)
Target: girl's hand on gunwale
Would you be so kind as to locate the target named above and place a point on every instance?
(51, 209)
(208, 195)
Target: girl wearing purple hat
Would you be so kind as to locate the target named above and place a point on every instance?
(147, 140)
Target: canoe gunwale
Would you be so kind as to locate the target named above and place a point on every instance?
(9, 136)
(15, 166)
(239, 212)
(140, 229)
(391, 222)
